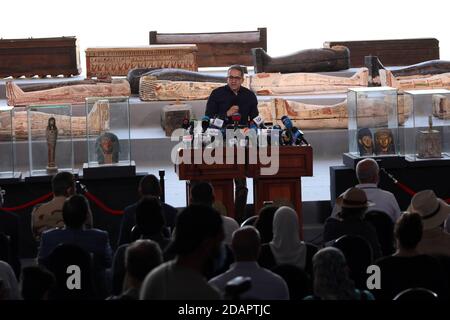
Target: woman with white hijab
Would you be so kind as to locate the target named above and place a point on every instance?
(286, 246)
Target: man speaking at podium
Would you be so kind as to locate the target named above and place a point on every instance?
(223, 103)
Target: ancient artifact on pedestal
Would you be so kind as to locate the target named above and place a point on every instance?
(51, 134)
(441, 106)
(68, 94)
(170, 74)
(310, 60)
(420, 70)
(218, 49)
(304, 83)
(39, 57)
(393, 52)
(384, 142)
(313, 116)
(429, 143)
(151, 89)
(172, 116)
(107, 148)
(365, 142)
(98, 119)
(107, 62)
(438, 81)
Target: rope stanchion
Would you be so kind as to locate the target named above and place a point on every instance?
(28, 204)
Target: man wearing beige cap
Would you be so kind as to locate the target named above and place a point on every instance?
(434, 212)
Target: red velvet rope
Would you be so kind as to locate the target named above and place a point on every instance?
(101, 205)
(404, 187)
(29, 204)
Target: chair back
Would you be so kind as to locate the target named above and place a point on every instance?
(73, 268)
(358, 254)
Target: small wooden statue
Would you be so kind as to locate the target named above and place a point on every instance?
(429, 142)
(51, 134)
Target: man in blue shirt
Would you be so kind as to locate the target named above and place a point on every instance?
(223, 103)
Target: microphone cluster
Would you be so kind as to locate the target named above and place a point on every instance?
(209, 129)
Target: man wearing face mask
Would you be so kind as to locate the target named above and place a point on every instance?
(225, 101)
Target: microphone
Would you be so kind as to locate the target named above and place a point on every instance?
(288, 125)
(191, 126)
(217, 122)
(236, 118)
(259, 122)
(299, 137)
(205, 123)
(286, 137)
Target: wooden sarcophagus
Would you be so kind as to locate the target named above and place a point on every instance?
(105, 62)
(398, 52)
(218, 49)
(39, 57)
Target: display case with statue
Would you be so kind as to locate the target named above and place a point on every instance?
(373, 119)
(108, 138)
(7, 147)
(50, 144)
(427, 131)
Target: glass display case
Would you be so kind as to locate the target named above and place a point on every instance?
(50, 144)
(372, 124)
(427, 130)
(7, 147)
(108, 136)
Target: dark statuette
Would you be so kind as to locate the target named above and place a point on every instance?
(310, 60)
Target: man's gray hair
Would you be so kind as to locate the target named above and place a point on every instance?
(367, 171)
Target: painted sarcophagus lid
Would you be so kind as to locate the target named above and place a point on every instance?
(117, 61)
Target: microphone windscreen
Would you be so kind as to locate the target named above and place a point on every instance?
(236, 117)
(287, 122)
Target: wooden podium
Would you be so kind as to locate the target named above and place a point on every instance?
(285, 185)
(219, 175)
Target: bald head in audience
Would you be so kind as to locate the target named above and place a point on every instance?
(367, 171)
(246, 244)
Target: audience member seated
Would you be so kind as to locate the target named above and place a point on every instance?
(298, 281)
(266, 285)
(9, 226)
(141, 257)
(94, 241)
(407, 268)
(198, 237)
(203, 193)
(37, 283)
(149, 225)
(385, 230)
(9, 288)
(286, 246)
(367, 172)
(354, 204)
(83, 278)
(358, 254)
(264, 223)
(148, 187)
(331, 279)
(49, 215)
(434, 212)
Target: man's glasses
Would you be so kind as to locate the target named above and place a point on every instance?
(234, 78)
